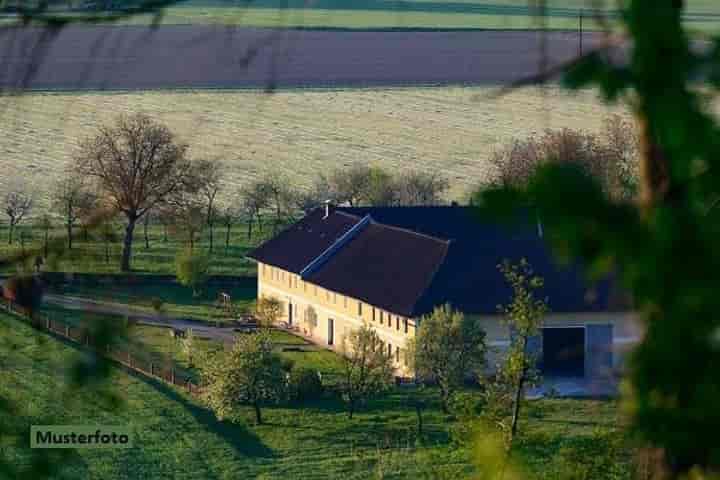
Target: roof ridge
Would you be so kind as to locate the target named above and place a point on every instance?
(446, 241)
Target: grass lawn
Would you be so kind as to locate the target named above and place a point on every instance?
(369, 14)
(177, 438)
(90, 256)
(177, 300)
(299, 133)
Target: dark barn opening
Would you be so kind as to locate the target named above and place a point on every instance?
(563, 352)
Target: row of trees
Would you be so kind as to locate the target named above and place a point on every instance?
(137, 169)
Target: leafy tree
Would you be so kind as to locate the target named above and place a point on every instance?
(249, 374)
(304, 384)
(137, 164)
(367, 367)
(45, 223)
(188, 346)
(268, 310)
(17, 205)
(191, 269)
(663, 247)
(228, 215)
(448, 347)
(524, 317)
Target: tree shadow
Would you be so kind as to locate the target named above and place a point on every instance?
(245, 442)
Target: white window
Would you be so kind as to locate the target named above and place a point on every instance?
(359, 309)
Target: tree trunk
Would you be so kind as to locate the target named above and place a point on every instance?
(69, 235)
(145, 231)
(418, 412)
(210, 238)
(444, 398)
(518, 391)
(258, 414)
(192, 240)
(351, 409)
(165, 236)
(227, 236)
(46, 246)
(10, 233)
(107, 250)
(127, 244)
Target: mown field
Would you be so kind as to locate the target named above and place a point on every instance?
(369, 14)
(300, 133)
(178, 438)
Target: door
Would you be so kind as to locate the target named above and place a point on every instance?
(290, 313)
(563, 352)
(331, 331)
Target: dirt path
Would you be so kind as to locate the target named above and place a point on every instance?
(201, 329)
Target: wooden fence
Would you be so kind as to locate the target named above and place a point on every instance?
(152, 366)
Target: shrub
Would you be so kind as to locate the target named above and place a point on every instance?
(157, 304)
(25, 291)
(191, 270)
(305, 384)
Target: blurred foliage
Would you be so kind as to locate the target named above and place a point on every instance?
(661, 245)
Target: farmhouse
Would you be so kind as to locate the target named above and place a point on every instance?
(339, 268)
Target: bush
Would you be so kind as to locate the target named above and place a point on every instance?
(157, 304)
(191, 269)
(305, 384)
(25, 291)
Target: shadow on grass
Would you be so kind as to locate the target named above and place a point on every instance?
(245, 442)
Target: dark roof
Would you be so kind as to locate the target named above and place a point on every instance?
(384, 266)
(409, 259)
(298, 245)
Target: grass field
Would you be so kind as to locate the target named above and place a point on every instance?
(90, 256)
(300, 133)
(177, 438)
(373, 14)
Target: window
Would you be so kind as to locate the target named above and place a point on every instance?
(315, 290)
(327, 295)
(359, 309)
(345, 302)
(334, 297)
(389, 349)
(304, 285)
(373, 314)
(397, 354)
(405, 321)
(397, 323)
(382, 318)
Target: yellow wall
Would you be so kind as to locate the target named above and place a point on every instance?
(289, 288)
(347, 313)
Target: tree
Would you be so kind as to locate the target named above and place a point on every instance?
(137, 163)
(191, 269)
(447, 348)
(663, 246)
(25, 291)
(251, 374)
(254, 198)
(348, 184)
(17, 204)
(367, 367)
(210, 174)
(524, 317)
(186, 213)
(45, 223)
(228, 215)
(421, 188)
(280, 197)
(268, 310)
(188, 346)
(72, 199)
(610, 158)
(380, 188)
